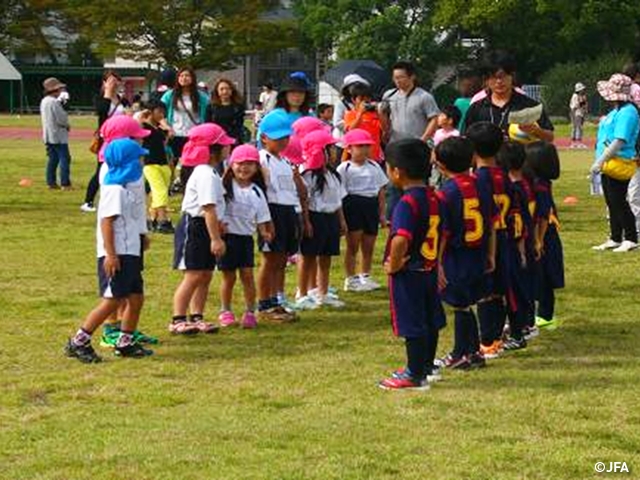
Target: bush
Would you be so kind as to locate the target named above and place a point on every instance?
(560, 80)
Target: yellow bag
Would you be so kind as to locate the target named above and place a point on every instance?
(620, 168)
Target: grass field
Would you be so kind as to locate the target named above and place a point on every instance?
(299, 401)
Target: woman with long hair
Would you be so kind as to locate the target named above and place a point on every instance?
(226, 109)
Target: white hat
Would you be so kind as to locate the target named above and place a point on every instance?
(354, 78)
(579, 87)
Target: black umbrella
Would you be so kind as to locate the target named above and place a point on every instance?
(378, 77)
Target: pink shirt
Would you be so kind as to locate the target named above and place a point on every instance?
(442, 134)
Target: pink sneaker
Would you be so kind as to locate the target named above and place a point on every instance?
(249, 320)
(183, 328)
(227, 319)
(206, 327)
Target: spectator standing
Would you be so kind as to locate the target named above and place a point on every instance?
(55, 134)
(578, 108)
(227, 109)
(268, 98)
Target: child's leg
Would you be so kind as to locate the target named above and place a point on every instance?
(279, 275)
(249, 286)
(368, 246)
(131, 317)
(417, 353)
(226, 289)
(308, 266)
(491, 312)
(191, 280)
(267, 279)
(546, 302)
(324, 267)
(99, 314)
(200, 295)
(432, 347)
(354, 239)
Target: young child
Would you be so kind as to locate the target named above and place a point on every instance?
(543, 162)
(156, 167)
(198, 241)
(285, 193)
(487, 139)
(411, 264)
(246, 210)
(466, 251)
(325, 113)
(522, 272)
(364, 115)
(363, 207)
(448, 121)
(119, 247)
(322, 240)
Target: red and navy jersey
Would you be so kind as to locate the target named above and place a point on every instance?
(525, 199)
(494, 181)
(416, 217)
(545, 205)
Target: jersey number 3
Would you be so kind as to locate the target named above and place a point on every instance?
(429, 248)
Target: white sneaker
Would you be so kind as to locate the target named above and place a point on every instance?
(329, 301)
(353, 284)
(87, 208)
(368, 282)
(608, 245)
(626, 246)
(306, 303)
(315, 294)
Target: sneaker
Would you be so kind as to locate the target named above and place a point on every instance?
(134, 350)
(608, 245)
(492, 351)
(477, 360)
(140, 337)
(353, 284)
(453, 363)
(277, 315)
(546, 324)
(206, 327)
(53, 187)
(626, 246)
(530, 332)
(404, 382)
(165, 227)
(434, 374)
(183, 328)
(109, 339)
(152, 225)
(87, 207)
(249, 320)
(515, 344)
(227, 319)
(329, 301)
(306, 303)
(84, 353)
(368, 282)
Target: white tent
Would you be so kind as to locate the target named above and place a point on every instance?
(7, 70)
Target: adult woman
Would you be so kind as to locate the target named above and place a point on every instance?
(108, 104)
(503, 98)
(578, 111)
(186, 108)
(227, 109)
(615, 161)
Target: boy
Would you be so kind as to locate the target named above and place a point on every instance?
(493, 181)
(119, 247)
(411, 264)
(325, 113)
(466, 250)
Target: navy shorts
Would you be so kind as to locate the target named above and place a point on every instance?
(361, 214)
(239, 253)
(287, 231)
(497, 281)
(466, 280)
(127, 281)
(325, 241)
(416, 310)
(192, 245)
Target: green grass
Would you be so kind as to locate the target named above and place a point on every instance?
(33, 121)
(298, 401)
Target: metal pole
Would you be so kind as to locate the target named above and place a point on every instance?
(11, 97)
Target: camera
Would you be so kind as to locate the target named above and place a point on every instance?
(370, 107)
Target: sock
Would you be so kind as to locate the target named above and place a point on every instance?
(486, 317)
(81, 338)
(416, 357)
(196, 317)
(460, 336)
(473, 337)
(109, 328)
(225, 308)
(179, 318)
(264, 305)
(125, 339)
(279, 299)
(499, 310)
(432, 347)
(274, 302)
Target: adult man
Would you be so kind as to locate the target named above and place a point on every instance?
(55, 134)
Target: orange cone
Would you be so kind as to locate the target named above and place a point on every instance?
(570, 200)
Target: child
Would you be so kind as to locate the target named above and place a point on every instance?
(364, 115)
(322, 240)
(466, 250)
(448, 119)
(543, 161)
(363, 208)
(258, 113)
(325, 113)
(487, 139)
(246, 208)
(411, 264)
(198, 241)
(119, 247)
(522, 272)
(285, 193)
(156, 167)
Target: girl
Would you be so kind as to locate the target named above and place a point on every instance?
(198, 241)
(543, 162)
(227, 109)
(246, 207)
(365, 116)
(363, 207)
(186, 108)
(322, 239)
(285, 193)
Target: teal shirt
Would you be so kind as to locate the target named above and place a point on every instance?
(620, 124)
(463, 104)
(167, 99)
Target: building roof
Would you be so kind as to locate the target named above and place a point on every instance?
(7, 70)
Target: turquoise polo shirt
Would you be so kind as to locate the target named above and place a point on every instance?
(620, 124)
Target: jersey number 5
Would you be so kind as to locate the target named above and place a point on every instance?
(474, 227)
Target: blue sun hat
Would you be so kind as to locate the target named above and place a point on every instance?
(276, 125)
(123, 159)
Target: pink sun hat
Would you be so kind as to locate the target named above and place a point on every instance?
(305, 125)
(201, 137)
(120, 126)
(313, 146)
(244, 153)
(357, 136)
(616, 89)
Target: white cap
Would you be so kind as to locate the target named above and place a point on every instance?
(354, 78)
(202, 85)
(580, 87)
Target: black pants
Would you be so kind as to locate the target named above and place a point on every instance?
(621, 218)
(94, 185)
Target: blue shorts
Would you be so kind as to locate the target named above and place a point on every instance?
(192, 245)
(466, 281)
(361, 214)
(497, 281)
(416, 310)
(521, 289)
(325, 241)
(239, 253)
(127, 281)
(287, 231)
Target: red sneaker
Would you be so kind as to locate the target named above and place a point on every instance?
(403, 383)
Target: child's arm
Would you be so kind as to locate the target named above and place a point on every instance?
(540, 231)
(343, 223)
(303, 195)
(491, 251)
(382, 205)
(397, 255)
(111, 261)
(266, 231)
(213, 227)
(442, 278)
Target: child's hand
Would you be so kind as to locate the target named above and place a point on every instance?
(307, 229)
(442, 279)
(343, 228)
(390, 269)
(491, 265)
(223, 228)
(111, 265)
(538, 251)
(146, 243)
(218, 247)
(386, 266)
(383, 221)
(268, 236)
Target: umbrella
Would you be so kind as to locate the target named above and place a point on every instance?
(378, 77)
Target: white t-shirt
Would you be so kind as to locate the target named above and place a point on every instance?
(137, 188)
(281, 189)
(330, 199)
(203, 188)
(365, 180)
(246, 210)
(182, 123)
(268, 100)
(122, 203)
